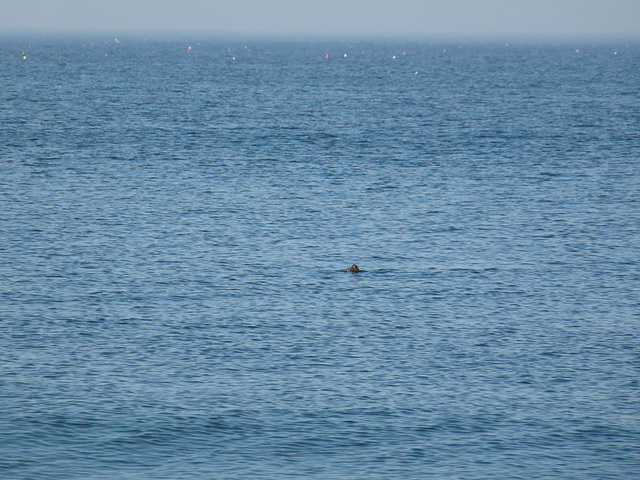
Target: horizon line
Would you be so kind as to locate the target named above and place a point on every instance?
(361, 35)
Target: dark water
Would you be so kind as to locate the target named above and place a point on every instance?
(174, 226)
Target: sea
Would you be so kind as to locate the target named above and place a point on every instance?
(176, 218)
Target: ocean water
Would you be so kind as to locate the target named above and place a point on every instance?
(176, 218)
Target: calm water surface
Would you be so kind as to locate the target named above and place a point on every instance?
(175, 223)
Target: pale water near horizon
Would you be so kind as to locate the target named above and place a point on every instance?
(175, 223)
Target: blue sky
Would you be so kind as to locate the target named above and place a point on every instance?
(412, 17)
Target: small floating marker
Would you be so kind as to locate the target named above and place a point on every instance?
(327, 57)
(404, 53)
(189, 49)
(416, 73)
(394, 57)
(105, 54)
(345, 55)
(577, 50)
(444, 51)
(615, 53)
(24, 57)
(234, 58)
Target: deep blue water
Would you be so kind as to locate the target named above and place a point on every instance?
(175, 224)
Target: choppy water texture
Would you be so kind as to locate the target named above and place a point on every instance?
(175, 223)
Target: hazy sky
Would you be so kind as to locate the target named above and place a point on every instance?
(423, 17)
